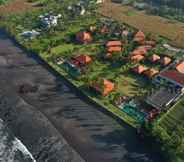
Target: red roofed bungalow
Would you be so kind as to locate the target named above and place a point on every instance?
(84, 59)
(180, 67)
(139, 51)
(103, 86)
(154, 58)
(165, 60)
(83, 37)
(139, 69)
(151, 72)
(114, 49)
(137, 58)
(113, 43)
(80, 60)
(139, 37)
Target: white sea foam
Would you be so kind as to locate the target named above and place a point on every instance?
(11, 148)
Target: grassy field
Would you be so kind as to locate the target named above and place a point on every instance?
(131, 85)
(172, 30)
(174, 117)
(172, 131)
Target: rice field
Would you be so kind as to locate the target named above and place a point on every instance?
(15, 6)
(156, 25)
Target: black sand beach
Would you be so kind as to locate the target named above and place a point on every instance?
(43, 119)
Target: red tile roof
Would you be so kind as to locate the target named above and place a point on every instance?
(151, 72)
(84, 37)
(83, 59)
(137, 58)
(173, 75)
(80, 60)
(180, 67)
(103, 86)
(114, 43)
(165, 60)
(154, 58)
(139, 69)
(139, 51)
(114, 49)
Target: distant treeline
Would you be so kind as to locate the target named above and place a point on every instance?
(177, 4)
(171, 9)
(2, 1)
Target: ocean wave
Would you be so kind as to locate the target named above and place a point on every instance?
(11, 148)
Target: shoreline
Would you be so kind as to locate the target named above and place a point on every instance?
(77, 91)
(22, 118)
(64, 132)
(12, 146)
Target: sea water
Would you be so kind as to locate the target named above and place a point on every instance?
(11, 148)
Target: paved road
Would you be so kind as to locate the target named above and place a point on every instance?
(94, 135)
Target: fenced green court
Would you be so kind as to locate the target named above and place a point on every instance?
(174, 117)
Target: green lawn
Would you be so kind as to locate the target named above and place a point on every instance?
(174, 117)
(172, 130)
(131, 85)
(63, 48)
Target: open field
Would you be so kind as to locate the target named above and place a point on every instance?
(174, 31)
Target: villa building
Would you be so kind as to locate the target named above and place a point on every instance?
(103, 86)
(173, 75)
(154, 58)
(113, 43)
(83, 37)
(137, 58)
(139, 69)
(113, 46)
(165, 60)
(151, 72)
